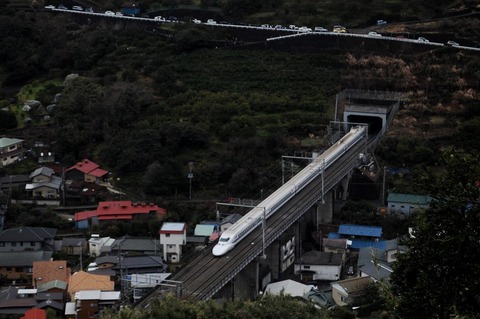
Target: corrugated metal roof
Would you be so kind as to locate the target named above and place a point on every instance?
(204, 230)
(6, 141)
(360, 230)
(409, 198)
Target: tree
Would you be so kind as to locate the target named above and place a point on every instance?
(439, 276)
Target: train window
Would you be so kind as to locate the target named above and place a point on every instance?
(222, 239)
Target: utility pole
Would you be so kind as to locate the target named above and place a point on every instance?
(190, 177)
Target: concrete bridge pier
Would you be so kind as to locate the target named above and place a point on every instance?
(324, 211)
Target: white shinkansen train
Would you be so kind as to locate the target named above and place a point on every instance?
(253, 218)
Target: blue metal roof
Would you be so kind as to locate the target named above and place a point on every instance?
(363, 243)
(360, 230)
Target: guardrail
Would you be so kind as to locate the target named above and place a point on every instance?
(293, 32)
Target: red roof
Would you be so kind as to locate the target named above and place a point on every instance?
(120, 210)
(98, 172)
(86, 166)
(35, 313)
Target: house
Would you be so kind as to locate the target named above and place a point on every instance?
(11, 151)
(86, 170)
(319, 265)
(406, 204)
(44, 184)
(299, 290)
(17, 266)
(172, 237)
(287, 287)
(97, 245)
(125, 264)
(47, 271)
(85, 281)
(130, 9)
(27, 238)
(136, 246)
(35, 313)
(89, 303)
(335, 245)
(12, 183)
(142, 283)
(228, 221)
(377, 263)
(74, 246)
(118, 210)
(53, 286)
(349, 291)
(13, 305)
(204, 230)
(359, 236)
(84, 192)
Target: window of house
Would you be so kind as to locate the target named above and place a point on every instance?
(343, 298)
(93, 305)
(306, 267)
(402, 206)
(11, 148)
(14, 243)
(21, 243)
(2, 244)
(167, 235)
(18, 269)
(32, 243)
(392, 205)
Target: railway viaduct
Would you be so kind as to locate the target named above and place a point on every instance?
(268, 252)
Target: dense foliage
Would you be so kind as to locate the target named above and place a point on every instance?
(281, 307)
(439, 274)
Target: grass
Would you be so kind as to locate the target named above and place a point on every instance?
(31, 90)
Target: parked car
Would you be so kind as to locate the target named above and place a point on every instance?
(109, 13)
(374, 34)
(196, 21)
(339, 29)
(159, 18)
(50, 7)
(62, 7)
(422, 39)
(320, 29)
(211, 21)
(292, 26)
(452, 43)
(304, 29)
(78, 8)
(381, 22)
(89, 9)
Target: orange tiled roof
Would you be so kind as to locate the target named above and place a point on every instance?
(84, 281)
(45, 271)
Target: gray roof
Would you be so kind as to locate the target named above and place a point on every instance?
(409, 198)
(50, 303)
(139, 244)
(23, 258)
(74, 241)
(141, 262)
(230, 219)
(55, 183)
(52, 284)
(49, 295)
(42, 171)
(33, 234)
(320, 258)
(6, 141)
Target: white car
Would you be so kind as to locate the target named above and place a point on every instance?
(304, 29)
(320, 29)
(118, 13)
(50, 7)
(78, 8)
(211, 21)
(109, 13)
(422, 39)
(196, 21)
(452, 43)
(374, 34)
(381, 22)
(159, 18)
